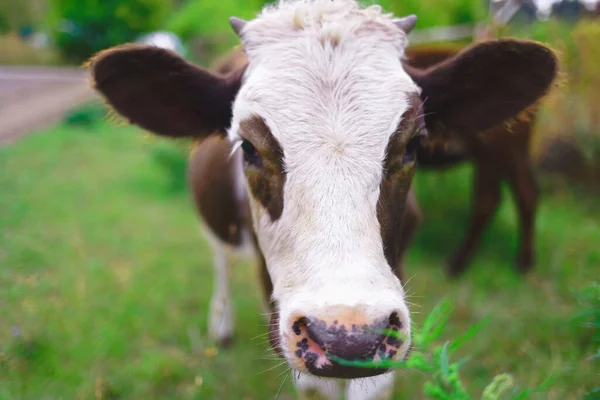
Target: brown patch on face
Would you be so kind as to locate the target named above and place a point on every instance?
(267, 179)
(399, 167)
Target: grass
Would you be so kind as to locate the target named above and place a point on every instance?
(105, 281)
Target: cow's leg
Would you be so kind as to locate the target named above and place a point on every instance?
(412, 220)
(220, 323)
(486, 197)
(313, 388)
(376, 388)
(526, 191)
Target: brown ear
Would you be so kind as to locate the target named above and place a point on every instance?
(485, 84)
(161, 92)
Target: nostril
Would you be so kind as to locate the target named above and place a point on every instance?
(299, 325)
(393, 339)
(394, 321)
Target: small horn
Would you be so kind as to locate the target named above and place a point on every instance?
(237, 24)
(407, 23)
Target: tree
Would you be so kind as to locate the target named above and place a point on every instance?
(84, 27)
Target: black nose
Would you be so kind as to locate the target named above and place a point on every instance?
(332, 349)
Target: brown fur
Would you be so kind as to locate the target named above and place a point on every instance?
(425, 57)
(396, 185)
(192, 101)
(233, 61)
(211, 180)
(266, 183)
(502, 69)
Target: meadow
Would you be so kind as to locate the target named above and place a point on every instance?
(105, 280)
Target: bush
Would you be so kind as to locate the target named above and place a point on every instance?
(206, 18)
(207, 23)
(83, 27)
(437, 12)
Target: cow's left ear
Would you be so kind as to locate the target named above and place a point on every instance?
(163, 93)
(485, 84)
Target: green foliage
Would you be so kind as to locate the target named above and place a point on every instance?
(432, 13)
(83, 27)
(206, 18)
(4, 24)
(208, 22)
(589, 319)
(444, 381)
(86, 115)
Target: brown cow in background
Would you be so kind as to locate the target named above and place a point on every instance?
(497, 158)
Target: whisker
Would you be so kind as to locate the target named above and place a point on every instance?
(264, 314)
(272, 368)
(283, 372)
(259, 336)
(271, 357)
(409, 279)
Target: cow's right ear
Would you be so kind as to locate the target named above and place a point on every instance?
(163, 93)
(485, 84)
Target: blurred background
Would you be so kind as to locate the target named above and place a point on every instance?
(105, 278)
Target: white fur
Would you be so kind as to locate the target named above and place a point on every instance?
(376, 388)
(326, 77)
(220, 320)
(308, 385)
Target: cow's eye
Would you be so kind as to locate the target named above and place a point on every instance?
(251, 155)
(410, 152)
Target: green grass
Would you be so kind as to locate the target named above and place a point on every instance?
(105, 281)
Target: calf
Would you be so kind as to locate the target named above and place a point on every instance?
(500, 154)
(308, 151)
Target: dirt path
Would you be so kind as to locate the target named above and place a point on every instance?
(32, 98)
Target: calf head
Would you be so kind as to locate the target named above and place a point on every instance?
(328, 119)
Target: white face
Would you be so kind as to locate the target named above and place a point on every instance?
(332, 94)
